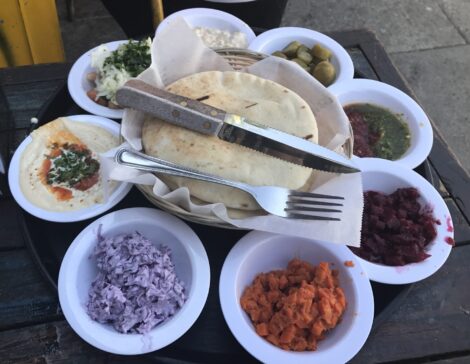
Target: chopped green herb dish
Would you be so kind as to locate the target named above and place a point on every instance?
(378, 132)
(72, 165)
(114, 68)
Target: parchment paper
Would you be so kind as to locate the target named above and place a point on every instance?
(177, 52)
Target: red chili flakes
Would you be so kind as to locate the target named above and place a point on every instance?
(395, 228)
(349, 263)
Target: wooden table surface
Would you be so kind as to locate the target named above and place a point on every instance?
(432, 323)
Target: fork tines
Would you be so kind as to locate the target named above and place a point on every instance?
(304, 202)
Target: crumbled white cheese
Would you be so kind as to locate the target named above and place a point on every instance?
(218, 38)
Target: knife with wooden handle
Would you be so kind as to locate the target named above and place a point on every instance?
(205, 119)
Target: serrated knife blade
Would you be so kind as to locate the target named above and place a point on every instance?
(205, 119)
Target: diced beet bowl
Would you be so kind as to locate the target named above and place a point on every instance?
(405, 231)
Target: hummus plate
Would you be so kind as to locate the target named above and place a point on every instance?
(76, 214)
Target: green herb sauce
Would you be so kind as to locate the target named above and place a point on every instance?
(134, 57)
(71, 166)
(393, 133)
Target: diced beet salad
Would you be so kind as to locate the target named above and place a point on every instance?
(395, 228)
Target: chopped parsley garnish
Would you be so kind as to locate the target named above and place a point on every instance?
(134, 57)
(71, 166)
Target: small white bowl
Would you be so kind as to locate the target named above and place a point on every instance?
(259, 252)
(387, 176)
(77, 272)
(276, 39)
(391, 98)
(78, 84)
(210, 18)
(66, 216)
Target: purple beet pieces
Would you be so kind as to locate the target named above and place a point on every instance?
(396, 229)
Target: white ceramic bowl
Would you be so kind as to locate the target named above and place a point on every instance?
(259, 252)
(67, 216)
(276, 39)
(210, 18)
(389, 97)
(387, 176)
(78, 271)
(78, 84)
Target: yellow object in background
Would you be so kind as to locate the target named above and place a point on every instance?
(157, 10)
(29, 33)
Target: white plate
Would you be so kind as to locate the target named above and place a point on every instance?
(387, 176)
(77, 271)
(389, 97)
(210, 18)
(276, 39)
(67, 216)
(259, 252)
(78, 85)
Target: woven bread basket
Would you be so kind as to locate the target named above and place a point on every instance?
(238, 59)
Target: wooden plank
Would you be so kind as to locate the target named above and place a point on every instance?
(31, 74)
(453, 176)
(461, 226)
(29, 96)
(434, 319)
(457, 360)
(10, 237)
(47, 343)
(25, 297)
(433, 178)
(56, 342)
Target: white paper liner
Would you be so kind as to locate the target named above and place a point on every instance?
(177, 52)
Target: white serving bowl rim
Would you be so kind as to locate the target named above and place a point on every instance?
(386, 176)
(350, 334)
(277, 38)
(115, 197)
(77, 272)
(78, 85)
(381, 94)
(210, 18)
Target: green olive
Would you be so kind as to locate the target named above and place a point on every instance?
(325, 73)
(320, 52)
(300, 63)
(291, 49)
(303, 48)
(315, 61)
(279, 54)
(304, 56)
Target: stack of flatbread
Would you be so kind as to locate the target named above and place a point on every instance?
(273, 92)
(264, 101)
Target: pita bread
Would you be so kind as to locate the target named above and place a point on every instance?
(255, 98)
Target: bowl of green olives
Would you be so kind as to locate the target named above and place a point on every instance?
(325, 59)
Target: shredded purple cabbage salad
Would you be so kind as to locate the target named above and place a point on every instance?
(136, 287)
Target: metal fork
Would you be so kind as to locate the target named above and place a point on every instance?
(275, 200)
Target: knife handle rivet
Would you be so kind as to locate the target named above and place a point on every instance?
(214, 113)
(183, 103)
(175, 113)
(206, 125)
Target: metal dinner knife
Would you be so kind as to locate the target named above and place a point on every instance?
(205, 119)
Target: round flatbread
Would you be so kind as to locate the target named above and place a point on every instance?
(255, 98)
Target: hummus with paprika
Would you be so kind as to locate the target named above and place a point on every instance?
(60, 168)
